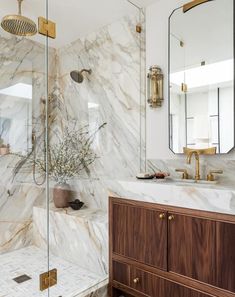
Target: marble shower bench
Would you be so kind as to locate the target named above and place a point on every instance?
(79, 237)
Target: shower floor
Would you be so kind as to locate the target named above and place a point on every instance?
(73, 281)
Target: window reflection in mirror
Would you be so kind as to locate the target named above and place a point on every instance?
(15, 107)
(201, 77)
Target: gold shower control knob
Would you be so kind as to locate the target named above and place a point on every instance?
(171, 218)
(162, 216)
(136, 280)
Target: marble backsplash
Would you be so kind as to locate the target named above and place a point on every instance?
(206, 164)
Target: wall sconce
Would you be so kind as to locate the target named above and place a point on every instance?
(155, 87)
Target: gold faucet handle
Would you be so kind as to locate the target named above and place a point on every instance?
(211, 175)
(184, 173)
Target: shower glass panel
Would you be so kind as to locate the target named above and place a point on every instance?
(23, 106)
(96, 133)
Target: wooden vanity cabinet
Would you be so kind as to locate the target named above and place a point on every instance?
(148, 284)
(133, 227)
(191, 247)
(163, 251)
(225, 255)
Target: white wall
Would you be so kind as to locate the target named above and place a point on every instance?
(157, 16)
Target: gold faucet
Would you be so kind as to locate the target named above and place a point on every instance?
(197, 159)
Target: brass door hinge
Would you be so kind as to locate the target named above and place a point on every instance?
(46, 27)
(48, 279)
(184, 88)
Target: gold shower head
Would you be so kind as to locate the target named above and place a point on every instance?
(18, 24)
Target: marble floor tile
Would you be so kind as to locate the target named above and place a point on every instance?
(73, 281)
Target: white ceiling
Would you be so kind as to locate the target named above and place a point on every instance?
(74, 18)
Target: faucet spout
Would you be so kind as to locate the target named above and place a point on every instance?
(197, 162)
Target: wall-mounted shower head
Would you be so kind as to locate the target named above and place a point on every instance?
(18, 24)
(78, 76)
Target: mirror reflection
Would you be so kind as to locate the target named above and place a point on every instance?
(201, 77)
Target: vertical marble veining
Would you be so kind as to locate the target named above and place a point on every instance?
(113, 93)
(80, 237)
(21, 61)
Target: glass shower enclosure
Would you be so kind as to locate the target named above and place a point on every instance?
(72, 123)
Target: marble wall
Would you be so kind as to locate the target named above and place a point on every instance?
(26, 61)
(113, 93)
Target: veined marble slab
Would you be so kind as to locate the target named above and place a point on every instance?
(80, 237)
(21, 60)
(201, 197)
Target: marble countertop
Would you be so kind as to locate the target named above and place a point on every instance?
(208, 197)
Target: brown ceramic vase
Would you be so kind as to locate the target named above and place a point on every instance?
(61, 195)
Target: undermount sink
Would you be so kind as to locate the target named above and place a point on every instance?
(190, 181)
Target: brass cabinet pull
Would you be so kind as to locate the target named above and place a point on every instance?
(162, 216)
(136, 280)
(171, 218)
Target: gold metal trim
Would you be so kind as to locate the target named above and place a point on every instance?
(46, 27)
(184, 173)
(48, 279)
(184, 88)
(207, 151)
(155, 87)
(193, 4)
(138, 28)
(211, 174)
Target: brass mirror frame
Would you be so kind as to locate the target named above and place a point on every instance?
(185, 8)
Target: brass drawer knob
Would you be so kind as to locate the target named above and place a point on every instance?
(162, 216)
(136, 280)
(171, 218)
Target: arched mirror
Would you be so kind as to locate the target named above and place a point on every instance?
(201, 76)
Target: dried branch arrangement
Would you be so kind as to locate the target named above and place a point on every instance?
(68, 155)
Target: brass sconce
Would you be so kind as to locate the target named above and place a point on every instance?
(155, 87)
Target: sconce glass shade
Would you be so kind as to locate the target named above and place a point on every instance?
(155, 87)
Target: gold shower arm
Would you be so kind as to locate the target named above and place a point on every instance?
(19, 6)
(86, 70)
(193, 4)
